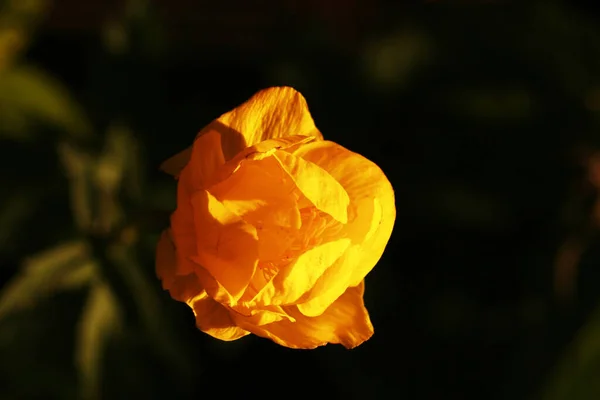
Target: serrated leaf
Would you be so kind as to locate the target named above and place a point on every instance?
(64, 267)
(27, 95)
(101, 320)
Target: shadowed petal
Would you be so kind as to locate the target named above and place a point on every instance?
(271, 113)
(214, 319)
(319, 187)
(227, 246)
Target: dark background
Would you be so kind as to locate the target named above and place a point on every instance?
(485, 116)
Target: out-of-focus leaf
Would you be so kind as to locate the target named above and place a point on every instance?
(118, 169)
(66, 266)
(12, 40)
(78, 167)
(27, 96)
(98, 181)
(18, 19)
(119, 166)
(577, 375)
(148, 305)
(101, 320)
(13, 212)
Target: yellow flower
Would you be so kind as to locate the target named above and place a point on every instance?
(275, 228)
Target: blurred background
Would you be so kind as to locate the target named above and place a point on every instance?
(485, 116)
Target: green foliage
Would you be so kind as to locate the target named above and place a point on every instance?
(29, 98)
(116, 303)
(66, 267)
(101, 320)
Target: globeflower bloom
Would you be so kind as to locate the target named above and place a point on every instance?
(275, 228)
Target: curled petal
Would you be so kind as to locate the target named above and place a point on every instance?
(176, 163)
(272, 113)
(260, 151)
(227, 246)
(372, 214)
(214, 319)
(206, 154)
(371, 194)
(346, 321)
(183, 231)
(331, 284)
(180, 287)
(319, 187)
(263, 316)
(259, 192)
(207, 157)
(299, 277)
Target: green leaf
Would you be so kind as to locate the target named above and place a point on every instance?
(120, 163)
(78, 167)
(577, 374)
(101, 320)
(28, 97)
(67, 266)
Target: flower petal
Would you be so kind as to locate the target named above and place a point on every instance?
(271, 113)
(264, 316)
(331, 284)
(214, 319)
(319, 187)
(181, 288)
(300, 276)
(372, 214)
(175, 164)
(207, 157)
(206, 151)
(346, 321)
(227, 245)
(183, 231)
(259, 192)
(260, 151)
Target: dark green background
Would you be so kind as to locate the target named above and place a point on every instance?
(483, 115)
